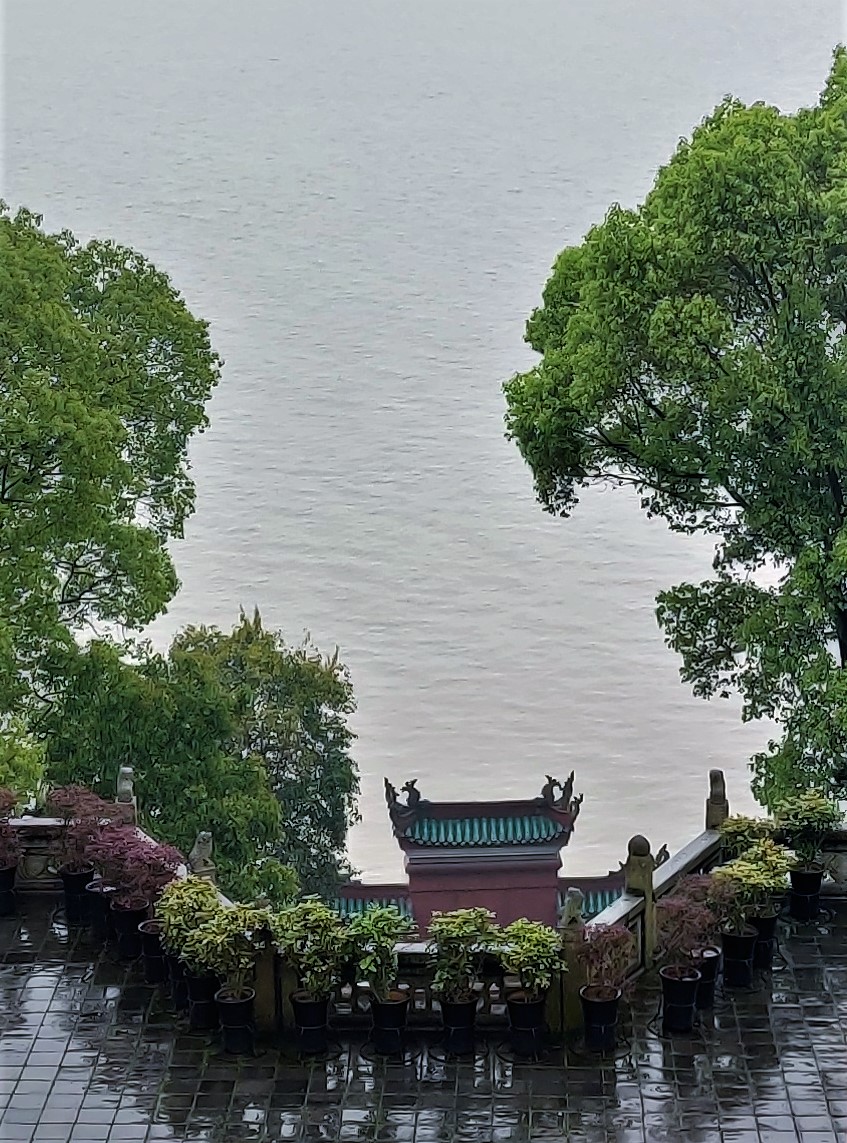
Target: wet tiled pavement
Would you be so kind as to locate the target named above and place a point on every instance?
(88, 1053)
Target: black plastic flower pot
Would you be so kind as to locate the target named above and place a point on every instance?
(708, 962)
(179, 984)
(459, 1020)
(600, 1017)
(235, 1014)
(738, 950)
(152, 954)
(679, 998)
(389, 1023)
(526, 1024)
(804, 902)
(74, 882)
(126, 922)
(100, 897)
(202, 1010)
(7, 890)
(311, 1020)
(765, 940)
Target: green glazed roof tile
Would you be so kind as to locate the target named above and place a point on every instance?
(483, 831)
(353, 906)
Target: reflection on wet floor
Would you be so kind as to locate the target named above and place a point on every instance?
(89, 1053)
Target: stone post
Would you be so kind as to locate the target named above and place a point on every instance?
(717, 806)
(265, 986)
(200, 858)
(572, 932)
(125, 795)
(638, 880)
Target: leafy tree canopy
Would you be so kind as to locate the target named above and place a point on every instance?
(104, 376)
(694, 350)
(237, 734)
(291, 710)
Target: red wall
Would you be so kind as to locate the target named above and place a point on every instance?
(526, 889)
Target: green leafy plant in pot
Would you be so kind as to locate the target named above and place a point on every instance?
(804, 821)
(314, 940)
(756, 880)
(183, 905)
(458, 943)
(226, 947)
(10, 852)
(606, 954)
(739, 833)
(375, 935)
(531, 951)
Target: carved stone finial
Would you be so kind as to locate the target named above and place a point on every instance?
(413, 794)
(125, 792)
(640, 866)
(390, 794)
(570, 913)
(717, 805)
(200, 858)
(562, 801)
(575, 805)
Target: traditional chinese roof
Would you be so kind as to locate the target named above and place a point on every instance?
(517, 830)
(545, 821)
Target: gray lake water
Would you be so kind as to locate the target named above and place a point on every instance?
(364, 199)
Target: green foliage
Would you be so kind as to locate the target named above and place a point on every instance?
(21, 758)
(805, 820)
(267, 882)
(739, 833)
(375, 933)
(106, 375)
(174, 720)
(182, 907)
(290, 717)
(314, 939)
(694, 350)
(227, 945)
(756, 877)
(532, 951)
(459, 941)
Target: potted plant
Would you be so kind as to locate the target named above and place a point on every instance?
(756, 878)
(804, 821)
(183, 905)
(683, 927)
(739, 833)
(82, 813)
(459, 941)
(375, 934)
(225, 947)
(315, 942)
(10, 852)
(134, 870)
(715, 896)
(105, 851)
(531, 951)
(606, 954)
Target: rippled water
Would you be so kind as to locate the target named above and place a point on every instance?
(364, 199)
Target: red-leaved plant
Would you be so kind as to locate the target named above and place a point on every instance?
(136, 866)
(82, 814)
(606, 954)
(684, 926)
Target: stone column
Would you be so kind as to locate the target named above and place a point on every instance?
(572, 932)
(265, 986)
(125, 795)
(717, 806)
(638, 880)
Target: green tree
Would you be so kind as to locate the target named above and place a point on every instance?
(171, 719)
(291, 711)
(104, 376)
(694, 350)
(238, 734)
